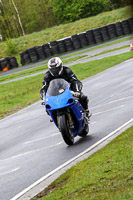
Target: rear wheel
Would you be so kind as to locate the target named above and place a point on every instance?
(66, 131)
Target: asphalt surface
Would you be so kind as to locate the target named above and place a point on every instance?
(31, 146)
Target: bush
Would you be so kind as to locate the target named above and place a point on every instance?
(70, 10)
(119, 3)
(11, 48)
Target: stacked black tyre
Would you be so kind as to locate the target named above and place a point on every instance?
(54, 47)
(68, 44)
(40, 52)
(32, 54)
(130, 21)
(83, 39)
(13, 62)
(61, 46)
(111, 30)
(119, 29)
(4, 64)
(97, 35)
(24, 57)
(90, 37)
(76, 41)
(47, 50)
(126, 27)
(104, 33)
(8, 63)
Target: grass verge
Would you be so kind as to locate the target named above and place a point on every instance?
(107, 174)
(24, 73)
(19, 94)
(93, 67)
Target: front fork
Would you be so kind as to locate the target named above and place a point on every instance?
(66, 112)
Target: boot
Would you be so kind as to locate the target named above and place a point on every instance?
(88, 114)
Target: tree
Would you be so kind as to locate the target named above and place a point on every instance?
(71, 10)
(8, 25)
(19, 19)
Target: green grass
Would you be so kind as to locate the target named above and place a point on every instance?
(65, 30)
(106, 175)
(91, 68)
(19, 94)
(24, 73)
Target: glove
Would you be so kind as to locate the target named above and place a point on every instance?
(42, 95)
(77, 94)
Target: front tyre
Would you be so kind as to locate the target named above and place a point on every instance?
(66, 131)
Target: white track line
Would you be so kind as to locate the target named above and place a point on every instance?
(43, 138)
(71, 160)
(29, 152)
(93, 123)
(128, 60)
(8, 172)
(108, 110)
(113, 101)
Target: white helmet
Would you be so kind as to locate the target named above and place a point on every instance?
(55, 66)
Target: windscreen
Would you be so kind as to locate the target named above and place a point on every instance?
(57, 87)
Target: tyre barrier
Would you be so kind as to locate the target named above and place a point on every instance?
(111, 30)
(54, 47)
(24, 57)
(119, 29)
(104, 33)
(130, 21)
(40, 52)
(61, 46)
(32, 54)
(126, 27)
(47, 50)
(77, 41)
(97, 35)
(90, 37)
(8, 63)
(69, 44)
(83, 39)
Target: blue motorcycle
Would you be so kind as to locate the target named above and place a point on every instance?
(66, 111)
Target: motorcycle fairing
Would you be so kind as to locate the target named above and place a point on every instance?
(63, 102)
(60, 101)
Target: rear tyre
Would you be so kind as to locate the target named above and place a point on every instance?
(66, 131)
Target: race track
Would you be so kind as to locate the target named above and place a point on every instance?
(31, 146)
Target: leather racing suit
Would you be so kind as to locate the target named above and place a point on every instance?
(75, 85)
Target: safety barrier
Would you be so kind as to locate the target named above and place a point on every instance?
(74, 42)
(8, 63)
(77, 41)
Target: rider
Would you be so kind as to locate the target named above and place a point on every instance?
(57, 70)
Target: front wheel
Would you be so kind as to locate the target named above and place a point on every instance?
(66, 131)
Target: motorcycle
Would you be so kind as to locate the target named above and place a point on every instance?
(66, 111)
